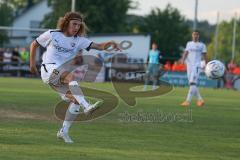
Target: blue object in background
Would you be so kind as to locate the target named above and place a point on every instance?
(180, 79)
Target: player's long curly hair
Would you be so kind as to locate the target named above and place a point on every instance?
(64, 21)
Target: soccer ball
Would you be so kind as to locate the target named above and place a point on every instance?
(214, 69)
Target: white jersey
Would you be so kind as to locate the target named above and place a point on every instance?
(61, 48)
(195, 51)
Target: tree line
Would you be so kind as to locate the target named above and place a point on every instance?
(168, 27)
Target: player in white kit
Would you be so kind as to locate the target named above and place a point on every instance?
(194, 53)
(61, 46)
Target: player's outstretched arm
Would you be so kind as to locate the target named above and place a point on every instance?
(105, 46)
(184, 56)
(33, 48)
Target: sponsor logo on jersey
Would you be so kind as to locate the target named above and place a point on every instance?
(62, 49)
(73, 44)
(197, 49)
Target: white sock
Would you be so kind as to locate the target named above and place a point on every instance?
(77, 93)
(155, 81)
(191, 93)
(145, 87)
(71, 114)
(154, 87)
(197, 93)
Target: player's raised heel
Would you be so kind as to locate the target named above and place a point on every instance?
(200, 103)
(185, 104)
(64, 136)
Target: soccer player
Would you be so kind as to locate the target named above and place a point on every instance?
(153, 66)
(195, 51)
(61, 45)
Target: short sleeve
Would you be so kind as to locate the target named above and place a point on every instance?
(44, 39)
(204, 49)
(84, 43)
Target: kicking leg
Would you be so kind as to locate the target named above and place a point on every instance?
(77, 92)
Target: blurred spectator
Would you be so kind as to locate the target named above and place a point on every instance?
(15, 55)
(233, 70)
(24, 55)
(182, 67)
(175, 66)
(1, 53)
(168, 66)
(231, 66)
(10, 56)
(236, 70)
(178, 67)
(228, 80)
(7, 56)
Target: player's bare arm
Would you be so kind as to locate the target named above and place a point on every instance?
(184, 56)
(33, 48)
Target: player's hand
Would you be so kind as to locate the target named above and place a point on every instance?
(33, 69)
(111, 45)
(160, 67)
(181, 61)
(203, 65)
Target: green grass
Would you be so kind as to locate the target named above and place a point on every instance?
(214, 133)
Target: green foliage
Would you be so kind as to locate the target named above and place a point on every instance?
(6, 18)
(206, 30)
(101, 16)
(22, 3)
(5, 14)
(169, 29)
(3, 37)
(7, 9)
(224, 51)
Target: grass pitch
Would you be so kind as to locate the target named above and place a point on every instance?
(28, 127)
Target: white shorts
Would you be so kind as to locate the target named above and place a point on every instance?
(51, 76)
(193, 73)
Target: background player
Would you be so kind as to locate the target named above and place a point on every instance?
(153, 66)
(195, 51)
